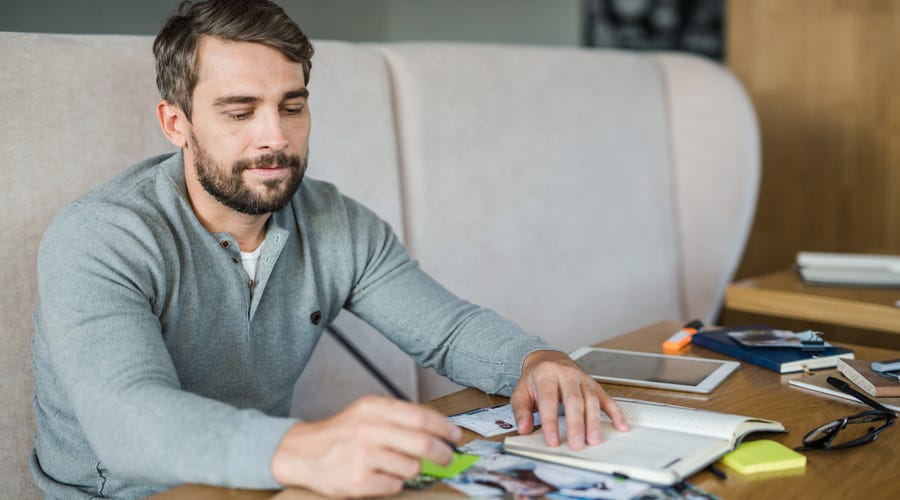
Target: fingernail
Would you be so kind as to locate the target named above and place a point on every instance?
(594, 437)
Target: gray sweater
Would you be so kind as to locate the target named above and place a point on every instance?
(155, 365)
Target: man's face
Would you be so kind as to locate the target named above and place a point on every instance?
(249, 133)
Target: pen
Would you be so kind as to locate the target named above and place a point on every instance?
(717, 472)
(682, 337)
(378, 374)
(844, 386)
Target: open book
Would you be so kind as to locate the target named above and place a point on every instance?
(665, 445)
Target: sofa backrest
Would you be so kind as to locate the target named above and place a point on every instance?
(582, 193)
(354, 145)
(80, 109)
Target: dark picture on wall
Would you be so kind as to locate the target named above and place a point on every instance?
(684, 25)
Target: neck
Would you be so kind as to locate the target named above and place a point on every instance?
(248, 230)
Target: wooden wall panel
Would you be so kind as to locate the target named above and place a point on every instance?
(824, 76)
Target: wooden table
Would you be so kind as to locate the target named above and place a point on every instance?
(783, 294)
(867, 471)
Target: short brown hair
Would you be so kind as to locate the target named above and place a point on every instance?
(260, 21)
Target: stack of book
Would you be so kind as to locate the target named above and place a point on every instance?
(871, 382)
(849, 269)
(883, 388)
(778, 357)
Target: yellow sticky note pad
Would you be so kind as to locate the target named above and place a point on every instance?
(461, 462)
(764, 455)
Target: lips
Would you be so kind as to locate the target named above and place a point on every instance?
(268, 171)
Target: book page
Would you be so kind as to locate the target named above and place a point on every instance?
(676, 418)
(644, 452)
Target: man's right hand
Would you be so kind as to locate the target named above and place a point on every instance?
(367, 449)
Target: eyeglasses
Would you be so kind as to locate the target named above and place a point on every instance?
(849, 431)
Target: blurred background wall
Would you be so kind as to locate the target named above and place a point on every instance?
(544, 22)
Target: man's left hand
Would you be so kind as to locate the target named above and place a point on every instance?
(551, 377)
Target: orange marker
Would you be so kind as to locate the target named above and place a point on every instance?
(682, 337)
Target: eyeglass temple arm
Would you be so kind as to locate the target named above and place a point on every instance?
(844, 386)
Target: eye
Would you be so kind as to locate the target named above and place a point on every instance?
(293, 110)
(239, 116)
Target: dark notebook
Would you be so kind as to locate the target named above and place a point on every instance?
(777, 359)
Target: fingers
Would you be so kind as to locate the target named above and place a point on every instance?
(549, 378)
(407, 428)
(523, 409)
(584, 414)
(592, 412)
(407, 415)
(612, 410)
(372, 471)
(548, 407)
(367, 449)
(574, 405)
(406, 441)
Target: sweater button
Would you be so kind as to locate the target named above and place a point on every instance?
(234, 260)
(316, 317)
(226, 244)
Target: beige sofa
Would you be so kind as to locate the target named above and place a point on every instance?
(581, 193)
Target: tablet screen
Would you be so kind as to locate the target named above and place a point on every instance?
(667, 370)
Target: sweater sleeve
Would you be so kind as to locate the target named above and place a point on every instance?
(471, 345)
(105, 345)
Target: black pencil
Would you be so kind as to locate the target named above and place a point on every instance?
(368, 365)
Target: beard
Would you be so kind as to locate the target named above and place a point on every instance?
(229, 188)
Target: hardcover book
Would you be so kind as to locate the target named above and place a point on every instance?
(873, 383)
(777, 359)
(665, 445)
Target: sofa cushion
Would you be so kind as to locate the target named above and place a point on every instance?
(538, 182)
(354, 145)
(80, 109)
(715, 158)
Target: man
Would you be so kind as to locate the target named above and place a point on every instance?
(180, 301)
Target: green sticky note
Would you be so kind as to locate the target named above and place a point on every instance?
(764, 455)
(461, 462)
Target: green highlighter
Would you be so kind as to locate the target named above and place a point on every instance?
(461, 462)
(764, 455)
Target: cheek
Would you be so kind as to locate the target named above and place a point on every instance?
(298, 132)
(231, 145)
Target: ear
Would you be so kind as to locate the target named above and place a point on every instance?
(173, 123)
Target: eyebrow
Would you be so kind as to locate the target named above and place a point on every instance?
(235, 99)
(246, 99)
(293, 94)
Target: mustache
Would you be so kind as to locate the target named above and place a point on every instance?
(276, 160)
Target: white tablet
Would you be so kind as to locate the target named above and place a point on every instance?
(659, 371)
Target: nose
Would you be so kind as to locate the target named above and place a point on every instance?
(271, 135)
